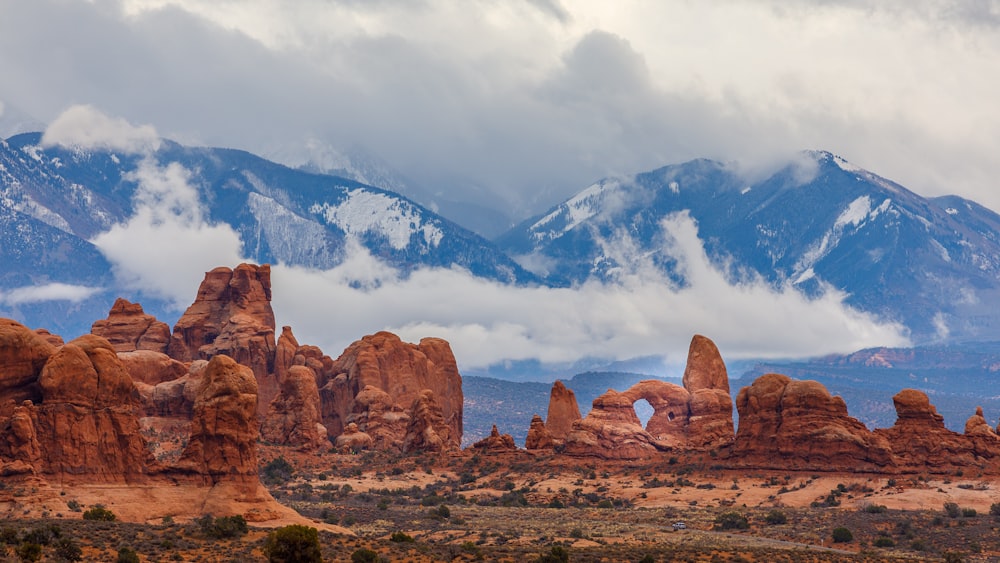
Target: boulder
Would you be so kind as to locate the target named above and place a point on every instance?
(293, 419)
(496, 442)
(353, 439)
(152, 368)
(539, 437)
(977, 426)
(232, 315)
(563, 411)
(400, 372)
(128, 328)
(787, 424)
(225, 428)
(53, 339)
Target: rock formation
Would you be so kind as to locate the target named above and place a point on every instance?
(496, 442)
(284, 354)
(427, 430)
(224, 429)
(128, 328)
(786, 424)
(538, 436)
(232, 315)
(922, 443)
(377, 381)
(23, 353)
(611, 430)
(353, 439)
(563, 411)
(293, 419)
(977, 426)
(697, 416)
(710, 410)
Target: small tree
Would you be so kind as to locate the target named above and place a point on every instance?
(98, 512)
(731, 520)
(293, 544)
(68, 550)
(558, 554)
(776, 517)
(127, 555)
(842, 535)
(952, 509)
(29, 551)
(364, 555)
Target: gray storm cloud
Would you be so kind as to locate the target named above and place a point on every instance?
(524, 103)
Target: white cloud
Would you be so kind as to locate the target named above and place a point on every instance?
(642, 315)
(166, 247)
(47, 292)
(85, 127)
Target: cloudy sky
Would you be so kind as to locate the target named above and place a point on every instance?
(527, 102)
(522, 104)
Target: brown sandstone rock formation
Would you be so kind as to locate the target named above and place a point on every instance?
(427, 430)
(538, 436)
(786, 424)
(496, 442)
(293, 418)
(23, 353)
(563, 411)
(977, 426)
(128, 328)
(224, 430)
(922, 443)
(697, 416)
(377, 382)
(232, 315)
(53, 339)
(87, 422)
(611, 430)
(353, 439)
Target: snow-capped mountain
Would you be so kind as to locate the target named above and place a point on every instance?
(54, 200)
(819, 223)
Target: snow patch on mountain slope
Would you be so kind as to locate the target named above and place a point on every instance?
(291, 238)
(363, 211)
(578, 209)
(857, 213)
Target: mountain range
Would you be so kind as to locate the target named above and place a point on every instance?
(817, 224)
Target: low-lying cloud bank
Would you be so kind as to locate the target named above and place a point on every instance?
(642, 315)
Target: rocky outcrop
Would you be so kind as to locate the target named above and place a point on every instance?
(224, 430)
(611, 430)
(53, 339)
(293, 419)
(922, 443)
(539, 437)
(496, 442)
(977, 426)
(427, 430)
(128, 328)
(710, 409)
(563, 411)
(377, 381)
(232, 315)
(23, 353)
(670, 402)
(87, 422)
(353, 439)
(786, 424)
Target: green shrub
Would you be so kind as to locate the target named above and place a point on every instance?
(29, 551)
(558, 554)
(443, 512)
(995, 510)
(293, 544)
(884, 541)
(223, 526)
(98, 512)
(842, 535)
(776, 517)
(731, 520)
(276, 471)
(875, 508)
(364, 555)
(952, 510)
(401, 537)
(969, 513)
(127, 555)
(68, 550)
